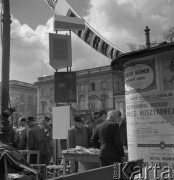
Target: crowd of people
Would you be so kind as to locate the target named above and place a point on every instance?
(33, 136)
(105, 131)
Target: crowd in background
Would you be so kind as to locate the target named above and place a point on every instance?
(105, 131)
(33, 136)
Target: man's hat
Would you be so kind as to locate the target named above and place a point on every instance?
(46, 118)
(30, 118)
(78, 119)
(101, 112)
(23, 119)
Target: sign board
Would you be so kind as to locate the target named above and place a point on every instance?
(60, 51)
(68, 23)
(61, 122)
(65, 87)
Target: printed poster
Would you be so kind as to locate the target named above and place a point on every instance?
(150, 113)
(140, 76)
(167, 69)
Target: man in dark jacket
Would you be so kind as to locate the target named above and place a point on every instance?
(107, 137)
(77, 136)
(36, 140)
(47, 127)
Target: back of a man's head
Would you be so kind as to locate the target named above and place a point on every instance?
(114, 115)
(22, 121)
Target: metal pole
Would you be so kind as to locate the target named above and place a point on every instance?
(67, 79)
(4, 126)
(56, 139)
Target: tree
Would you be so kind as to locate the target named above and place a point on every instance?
(169, 35)
(135, 47)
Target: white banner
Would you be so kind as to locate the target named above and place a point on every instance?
(89, 35)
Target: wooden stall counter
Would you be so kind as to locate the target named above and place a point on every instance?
(89, 157)
(86, 156)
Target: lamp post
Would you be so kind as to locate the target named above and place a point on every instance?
(4, 123)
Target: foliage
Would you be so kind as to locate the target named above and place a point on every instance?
(168, 37)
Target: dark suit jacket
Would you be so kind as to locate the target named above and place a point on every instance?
(77, 137)
(123, 132)
(107, 137)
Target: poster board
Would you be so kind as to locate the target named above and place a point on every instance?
(61, 122)
(60, 54)
(65, 87)
(150, 111)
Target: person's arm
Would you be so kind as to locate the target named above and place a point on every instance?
(70, 139)
(94, 139)
(30, 140)
(85, 137)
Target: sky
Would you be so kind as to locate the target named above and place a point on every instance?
(119, 21)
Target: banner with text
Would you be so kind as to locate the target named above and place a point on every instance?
(89, 35)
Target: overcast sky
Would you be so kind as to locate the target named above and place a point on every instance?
(119, 21)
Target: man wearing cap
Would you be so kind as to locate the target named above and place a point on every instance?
(37, 141)
(77, 136)
(23, 130)
(47, 126)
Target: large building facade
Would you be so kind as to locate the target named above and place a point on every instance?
(97, 88)
(23, 98)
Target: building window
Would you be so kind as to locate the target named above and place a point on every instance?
(92, 86)
(42, 93)
(51, 92)
(30, 110)
(20, 109)
(81, 88)
(117, 85)
(103, 85)
(82, 104)
(30, 99)
(43, 107)
(22, 98)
